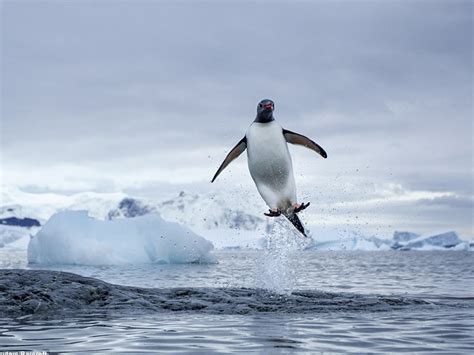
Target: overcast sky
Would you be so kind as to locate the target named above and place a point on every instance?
(147, 97)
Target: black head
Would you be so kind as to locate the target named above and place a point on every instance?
(265, 111)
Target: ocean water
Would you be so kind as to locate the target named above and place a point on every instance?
(276, 300)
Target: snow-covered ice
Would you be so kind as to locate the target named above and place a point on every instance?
(404, 236)
(342, 239)
(237, 223)
(72, 237)
(435, 242)
(41, 206)
(214, 211)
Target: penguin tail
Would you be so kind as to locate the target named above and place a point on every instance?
(294, 219)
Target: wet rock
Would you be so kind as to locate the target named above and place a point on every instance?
(55, 294)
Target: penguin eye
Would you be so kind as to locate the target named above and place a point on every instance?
(260, 105)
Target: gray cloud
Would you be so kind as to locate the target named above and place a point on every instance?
(449, 201)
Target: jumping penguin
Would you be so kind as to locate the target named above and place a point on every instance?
(270, 163)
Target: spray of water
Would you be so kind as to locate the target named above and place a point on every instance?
(279, 263)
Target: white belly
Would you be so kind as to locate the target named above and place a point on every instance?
(270, 164)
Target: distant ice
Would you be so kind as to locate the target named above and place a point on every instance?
(229, 224)
(14, 237)
(72, 237)
(41, 206)
(214, 211)
(341, 239)
(337, 238)
(448, 240)
(404, 236)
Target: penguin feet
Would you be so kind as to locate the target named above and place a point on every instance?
(300, 207)
(273, 213)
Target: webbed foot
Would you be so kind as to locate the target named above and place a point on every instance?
(273, 213)
(300, 207)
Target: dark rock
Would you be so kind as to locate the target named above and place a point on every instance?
(55, 295)
(129, 208)
(20, 222)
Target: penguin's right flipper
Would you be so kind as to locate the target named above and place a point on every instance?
(233, 154)
(296, 138)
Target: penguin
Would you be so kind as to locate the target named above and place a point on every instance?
(270, 164)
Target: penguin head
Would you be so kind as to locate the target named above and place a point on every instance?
(265, 111)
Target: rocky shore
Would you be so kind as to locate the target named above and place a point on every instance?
(55, 294)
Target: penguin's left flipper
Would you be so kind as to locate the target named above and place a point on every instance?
(301, 207)
(299, 139)
(233, 154)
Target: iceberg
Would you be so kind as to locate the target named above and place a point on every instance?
(401, 238)
(446, 240)
(72, 237)
(404, 236)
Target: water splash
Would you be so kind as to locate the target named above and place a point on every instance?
(279, 264)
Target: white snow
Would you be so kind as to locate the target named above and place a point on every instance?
(202, 211)
(236, 222)
(18, 203)
(214, 211)
(72, 237)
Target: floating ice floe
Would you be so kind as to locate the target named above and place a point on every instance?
(72, 237)
(349, 240)
(448, 240)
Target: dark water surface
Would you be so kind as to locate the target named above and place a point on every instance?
(323, 302)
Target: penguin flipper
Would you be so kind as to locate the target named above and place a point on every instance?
(299, 139)
(233, 154)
